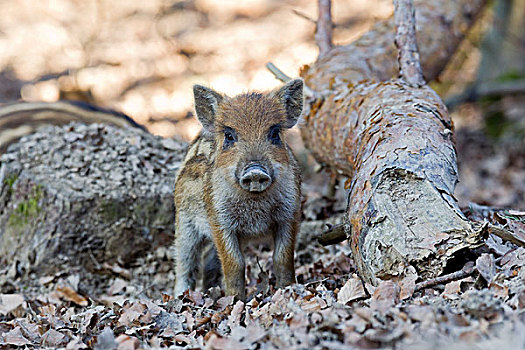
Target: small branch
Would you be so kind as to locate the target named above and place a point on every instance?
(466, 271)
(491, 89)
(323, 31)
(408, 53)
(506, 235)
(314, 282)
(277, 72)
(304, 16)
(333, 235)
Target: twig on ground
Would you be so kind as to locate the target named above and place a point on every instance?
(466, 271)
(324, 27)
(314, 282)
(506, 235)
(408, 53)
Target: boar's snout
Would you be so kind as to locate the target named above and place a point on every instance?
(255, 178)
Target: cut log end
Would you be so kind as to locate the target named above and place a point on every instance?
(407, 222)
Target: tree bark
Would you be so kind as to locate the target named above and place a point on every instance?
(395, 143)
(79, 196)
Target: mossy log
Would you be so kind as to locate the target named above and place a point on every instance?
(79, 196)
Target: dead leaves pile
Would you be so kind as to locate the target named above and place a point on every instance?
(328, 310)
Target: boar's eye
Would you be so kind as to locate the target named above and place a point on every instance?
(229, 137)
(274, 135)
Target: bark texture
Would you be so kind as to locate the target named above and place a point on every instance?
(395, 142)
(440, 26)
(78, 196)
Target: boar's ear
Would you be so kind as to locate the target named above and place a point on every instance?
(206, 105)
(291, 95)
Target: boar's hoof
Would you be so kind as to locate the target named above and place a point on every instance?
(255, 179)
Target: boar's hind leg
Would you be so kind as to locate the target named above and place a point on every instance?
(212, 268)
(283, 254)
(188, 242)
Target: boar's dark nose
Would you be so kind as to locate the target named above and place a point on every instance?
(255, 178)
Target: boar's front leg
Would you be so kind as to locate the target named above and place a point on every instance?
(283, 254)
(232, 261)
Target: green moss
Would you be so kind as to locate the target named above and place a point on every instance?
(511, 75)
(496, 124)
(112, 210)
(9, 182)
(27, 209)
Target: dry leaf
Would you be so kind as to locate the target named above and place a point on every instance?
(126, 342)
(15, 337)
(76, 344)
(70, 295)
(46, 279)
(486, 267)
(452, 288)
(53, 338)
(385, 296)
(311, 305)
(408, 283)
(117, 286)
(131, 314)
(235, 316)
(9, 302)
(190, 321)
(223, 302)
(352, 290)
(225, 343)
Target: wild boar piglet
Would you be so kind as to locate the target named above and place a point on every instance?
(239, 182)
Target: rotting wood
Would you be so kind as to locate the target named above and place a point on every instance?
(395, 143)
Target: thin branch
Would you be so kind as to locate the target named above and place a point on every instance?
(490, 89)
(304, 16)
(279, 74)
(506, 235)
(323, 31)
(333, 235)
(466, 271)
(408, 53)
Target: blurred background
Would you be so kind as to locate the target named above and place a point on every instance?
(142, 57)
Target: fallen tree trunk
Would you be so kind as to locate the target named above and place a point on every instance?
(19, 119)
(440, 26)
(395, 143)
(79, 196)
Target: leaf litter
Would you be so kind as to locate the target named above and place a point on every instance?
(330, 309)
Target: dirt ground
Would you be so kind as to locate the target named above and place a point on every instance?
(142, 58)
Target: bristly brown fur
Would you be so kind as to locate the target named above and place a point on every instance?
(213, 204)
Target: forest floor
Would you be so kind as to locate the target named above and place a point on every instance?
(141, 58)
